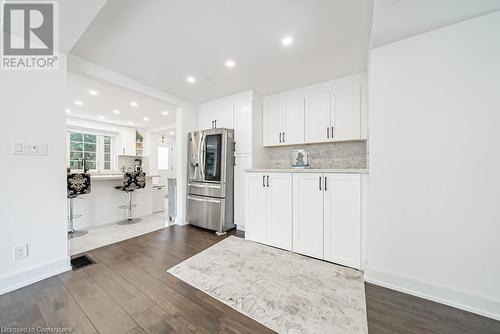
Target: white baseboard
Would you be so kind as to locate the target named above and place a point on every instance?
(463, 300)
(34, 274)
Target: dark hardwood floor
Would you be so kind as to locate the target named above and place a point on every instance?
(129, 291)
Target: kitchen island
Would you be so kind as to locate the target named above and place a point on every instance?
(101, 206)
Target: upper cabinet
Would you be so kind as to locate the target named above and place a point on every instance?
(330, 111)
(318, 117)
(216, 115)
(284, 120)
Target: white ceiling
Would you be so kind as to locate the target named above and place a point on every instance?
(75, 17)
(111, 97)
(394, 20)
(161, 42)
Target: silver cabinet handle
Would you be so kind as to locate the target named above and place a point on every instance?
(284, 136)
(268, 181)
(327, 132)
(280, 137)
(320, 183)
(326, 187)
(215, 124)
(263, 180)
(212, 124)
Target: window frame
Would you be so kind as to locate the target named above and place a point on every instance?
(100, 150)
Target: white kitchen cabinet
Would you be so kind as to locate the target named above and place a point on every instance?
(318, 118)
(243, 128)
(326, 112)
(216, 115)
(224, 116)
(293, 122)
(269, 209)
(256, 208)
(242, 162)
(308, 214)
(279, 210)
(284, 121)
(342, 219)
(314, 214)
(273, 121)
(346, 118)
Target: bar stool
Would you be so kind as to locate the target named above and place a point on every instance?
(131, 182)
(78, 184)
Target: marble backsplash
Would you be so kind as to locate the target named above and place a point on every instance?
(352, 154)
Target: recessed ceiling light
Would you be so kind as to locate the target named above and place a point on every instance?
(130, 123)
(191, 79)
(146, 119)
(134, 104)
(164, 113)
(78, 103)
(67, 111)
(102, 118)
(116, 112)
(287, 40)
(172, 133)
(93, 92)
(230, 63)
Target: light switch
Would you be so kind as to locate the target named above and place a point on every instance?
(17, 148)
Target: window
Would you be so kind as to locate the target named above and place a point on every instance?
(96, 149)
(163, 155)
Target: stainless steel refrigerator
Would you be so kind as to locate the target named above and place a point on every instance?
(210, 182)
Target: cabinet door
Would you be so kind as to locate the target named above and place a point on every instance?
(347, 114)
(243, 162)
(308, 214)
(205, 117)
(243, 128)
(317, 118)
(256, 205)
(223, 115)
(279, 210)
(342, 236)
(272, 123)
(293, 120)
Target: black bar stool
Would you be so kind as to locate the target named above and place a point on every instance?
(78, 184)
(131, 182)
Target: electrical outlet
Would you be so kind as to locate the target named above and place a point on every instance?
(20, 252)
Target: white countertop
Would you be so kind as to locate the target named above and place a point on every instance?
(103, 177)
(307, 170)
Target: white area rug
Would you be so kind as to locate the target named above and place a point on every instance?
(286, 292)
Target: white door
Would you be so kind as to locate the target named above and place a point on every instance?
(308, 214)
(272, 125)
(342, 238)
(279, 210)
(293, 120)
(256, 207)
(243, 128)
(347, 114)
(224, 116)
(317, 118)
(243, 162)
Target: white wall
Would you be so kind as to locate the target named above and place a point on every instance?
(434, 219)
(33, 188)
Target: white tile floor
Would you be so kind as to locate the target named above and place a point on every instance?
(103, 235)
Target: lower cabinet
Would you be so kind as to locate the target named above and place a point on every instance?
(342, 219)
(314, 214)
(269, 209)
(308, 210)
